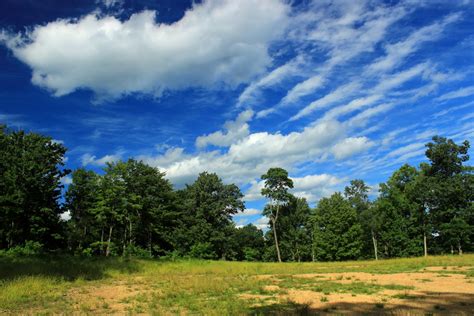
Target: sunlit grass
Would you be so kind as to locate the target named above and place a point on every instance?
(60, 284)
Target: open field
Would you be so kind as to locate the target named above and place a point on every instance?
(53, 285)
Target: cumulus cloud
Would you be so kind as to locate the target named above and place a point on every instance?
(88, 159)
(235, 131)
(216, 42)
(351, 146)
(251, 156)
(248, 212)
(311, 187)
(262, 223)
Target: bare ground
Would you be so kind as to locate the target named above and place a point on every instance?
(432, 292)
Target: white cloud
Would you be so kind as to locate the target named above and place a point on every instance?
(463, 92)
(66, 180)
(235, 131)
(262, 223)
(351, 146)
(216, 42)
(310, 187)
(413, 147)
(251, 156)
(111, 3)
(303, 88)
(275, 77)
(65, 216)
(397, 52)
(338, 94)
(248, 212)
(88, 159)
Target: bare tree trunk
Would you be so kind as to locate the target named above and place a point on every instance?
(275, 234)
(107, 251)
(130, 231)
(124, 241)
(459, 249)
(425, 245)
(452, 250)
(102, 241)
(374, 241)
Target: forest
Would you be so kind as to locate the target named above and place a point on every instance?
(131, 209)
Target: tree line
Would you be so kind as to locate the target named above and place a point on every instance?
(131, 209)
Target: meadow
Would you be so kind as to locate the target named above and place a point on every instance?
(64, 285)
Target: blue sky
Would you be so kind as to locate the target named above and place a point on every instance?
(329, 90)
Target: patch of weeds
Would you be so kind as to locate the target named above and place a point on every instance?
(406, 296)
(426, 280)
(356, 287)
(324, 299)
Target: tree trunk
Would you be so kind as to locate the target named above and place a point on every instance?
(425, 245)
(374, 241)
(452, 250)
(102, 241)
(124, 241)
(275, 234)
(459, 249)
(107, 251)
(130, 231)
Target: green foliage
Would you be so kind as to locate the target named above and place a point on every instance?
(206, 213)
(30, 248)
(337, 231)
(30, 189)
(202, 250)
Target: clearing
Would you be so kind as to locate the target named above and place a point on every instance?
(56, 285)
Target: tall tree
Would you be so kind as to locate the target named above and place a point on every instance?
(206, 220)
(81, 199)
(337, 231)
(31, 168)
(276, 188)
(357, 195)
(446, 189)
(405, 223)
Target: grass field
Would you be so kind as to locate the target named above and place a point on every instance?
(64, 285)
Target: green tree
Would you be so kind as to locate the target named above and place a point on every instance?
(31, 168)
(445, 188)
(206, 216)
(81, 199)
(276, 188)
(249, 243)
(405, 223)
(357, 195)
(337, 231)
(294, 229)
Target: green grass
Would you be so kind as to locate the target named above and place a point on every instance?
(64, 284)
